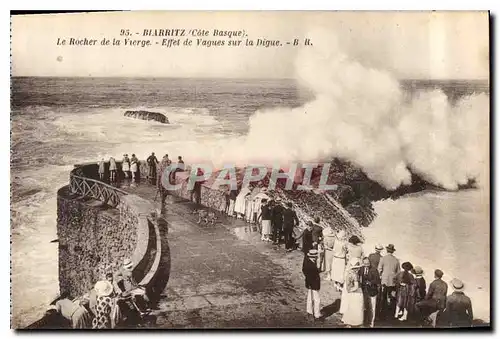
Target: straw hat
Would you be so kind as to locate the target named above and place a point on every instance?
(312, 253)
(457, 284)
(127, 264)
(103, 288)
(379, 247)
(418, 271)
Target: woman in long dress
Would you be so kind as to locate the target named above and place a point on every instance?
(112, 169)
(405, 292)
(126, 166)
(354, 307)
(338, 263)
(134, 167)
(239, 204)
(105, 303)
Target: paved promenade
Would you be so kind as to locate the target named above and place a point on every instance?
(223, 276)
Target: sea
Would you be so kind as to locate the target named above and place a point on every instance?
(58, 122)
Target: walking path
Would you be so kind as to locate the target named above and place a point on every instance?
(223, 276)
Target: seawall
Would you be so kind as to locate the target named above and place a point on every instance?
(97, 233)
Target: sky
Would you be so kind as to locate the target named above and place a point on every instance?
(423, 45)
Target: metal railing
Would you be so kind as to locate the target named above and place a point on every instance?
(92, 188)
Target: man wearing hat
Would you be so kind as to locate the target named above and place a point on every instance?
(388, 267)
(290, 220)
(126, 284)
(458, 306)
(277, 220)
(435, 299)
(369, 279)
(312, 280)
(310, 237)
(375, 257)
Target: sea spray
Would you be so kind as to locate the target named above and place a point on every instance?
(360, 114)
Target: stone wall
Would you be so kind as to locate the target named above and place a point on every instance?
(94, 240)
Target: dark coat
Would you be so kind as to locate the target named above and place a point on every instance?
(459, 310)
(317, 234)
(307, 241)
(311, 273)
(265, 212)
(369, 281)
(277, 215)
(290, 218)
(421, 287)
(374, 259)
(438, 290)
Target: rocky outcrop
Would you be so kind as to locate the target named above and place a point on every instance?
(146, 115)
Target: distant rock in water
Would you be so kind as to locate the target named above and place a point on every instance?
(146, 115)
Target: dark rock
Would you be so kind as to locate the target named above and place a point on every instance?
(146, 115)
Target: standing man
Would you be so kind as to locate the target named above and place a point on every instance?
(328, 242)
(435, 299)
(370, 284)
(152, 161)
(458, 307)
(375, 257)
(313, 283)
(318, 242)
(307, 238)
(374, 261)
(388, 267)
(290, 220)
(277, 216)
(265, 216)
(165, 162)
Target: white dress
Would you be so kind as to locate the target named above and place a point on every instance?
(338, 263)
(353, 301)
(133, 167)
(125, 165)
(239, 205)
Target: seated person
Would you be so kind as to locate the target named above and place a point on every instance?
(74, 312)
(126, 286)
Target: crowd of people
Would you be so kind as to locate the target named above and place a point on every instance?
(276, 220)
(114, 302)
(376, 288)
(130, 168)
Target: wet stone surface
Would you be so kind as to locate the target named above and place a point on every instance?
(223, 276)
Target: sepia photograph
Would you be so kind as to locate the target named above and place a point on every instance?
(250, 170)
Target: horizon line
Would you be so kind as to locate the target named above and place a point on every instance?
(225, 78)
